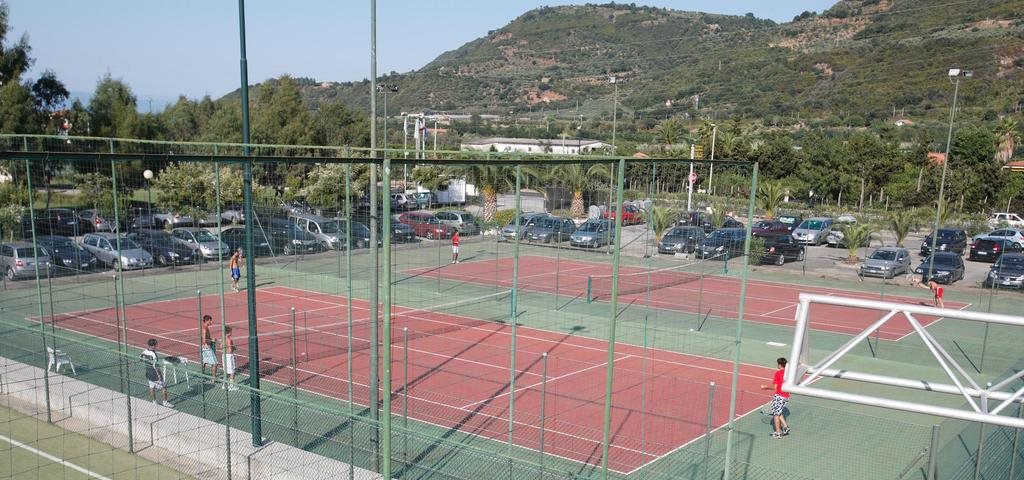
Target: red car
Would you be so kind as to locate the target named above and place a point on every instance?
(767, 228)
(631, 215)
(425, 224)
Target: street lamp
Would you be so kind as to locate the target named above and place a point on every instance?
(148, 175)
(615, 107)
(385, 88)
(711, 173)
(955, 74)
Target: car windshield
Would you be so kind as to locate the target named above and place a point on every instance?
(812, 225)
(888, 255)
(430, 219)
(945, 234)
(360, 229)
(204, 236)
(329, 227)
(787, 220)
(126, 244)
(467, 217)
(724, 234)
(590, 227)
(549, 222)
(1014, 262)
(29, 252)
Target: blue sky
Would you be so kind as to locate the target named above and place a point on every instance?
(163, 48)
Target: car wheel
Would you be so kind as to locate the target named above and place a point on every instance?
(162, 260)
(10, 274)
(430, 235)
(781, 260)
(116, 265)
(800, 255)
(360, 244)
(168, 225)
(287, 250)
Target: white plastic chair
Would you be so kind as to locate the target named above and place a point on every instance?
(174, 363)
(56, 358)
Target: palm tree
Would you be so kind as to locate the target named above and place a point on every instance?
(855, 236)
(492, 179)
(668, 132)
(769, 196)
(902, 221)
(577, 179)
(661, 218)
(1007, 137)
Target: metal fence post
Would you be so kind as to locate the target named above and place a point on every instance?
(707, 428)
(610, 367)
(933, 451)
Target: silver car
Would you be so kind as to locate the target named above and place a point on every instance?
(96, 221)
(551, 229)
(593, 233)
(330, 233)
(104, 246)
(171, 219)
(886, 262)
(461, 220)
(526, 220)
(18, 260)
(813, 231)
(202, 242)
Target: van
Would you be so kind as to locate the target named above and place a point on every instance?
(813, 231)
(330, 233)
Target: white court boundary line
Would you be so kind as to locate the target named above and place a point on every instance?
(53, 458)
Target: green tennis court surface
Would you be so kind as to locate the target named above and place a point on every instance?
(34, 449)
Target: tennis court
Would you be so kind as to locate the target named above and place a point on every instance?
(685, 288)
(458, 371)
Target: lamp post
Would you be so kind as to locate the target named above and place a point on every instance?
(615, 107)
(711, 172)
(148, 175)
(385, 88)
(955, 74)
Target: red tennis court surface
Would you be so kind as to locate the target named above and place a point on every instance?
(458, 371)
(766, 302)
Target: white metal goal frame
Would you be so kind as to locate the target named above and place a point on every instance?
(983, 403)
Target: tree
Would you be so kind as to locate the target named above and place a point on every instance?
(577, 179)
(1007, 137)
(901, 222)
(334, 124)
(855, 236)
(112, 109)
(50, 94)
(14, 59)
(186, 188)
(769, 197)
(325, 185)
(661, 218)
(668, 132)
(95, 190)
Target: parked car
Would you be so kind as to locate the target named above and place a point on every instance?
(526, 220)
(1017, 236)
(1005, 219)
(948, 268)
(551, 229)
(886, 262)
(91, 220)
(813, 231)
(203, 243)
(791, 221)
(19, 260)
(233, 214)
(289, 239)
(769, 227)
(461, 220)
(425, 224)
(116, 252)
(722, 242)
(704, 221)
(298, 207)
(947, 240)
(401, 201)
(400, 233)
(593, 233)
(330, 233)
(989, 249)
(1007, 272)
(631, 214)
(143, 221)
(781, 247)
(423, 199)
(847, 218)
(171, 220)
(681, 240)
(58, 221)
(66, 255)
(836, 238)
(234, 238)
(163, 247)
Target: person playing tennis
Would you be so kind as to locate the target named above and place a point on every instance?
(229, 360)
(455, 246)
(937, 292)
(235, 264)
(208, 348)
(779, 400)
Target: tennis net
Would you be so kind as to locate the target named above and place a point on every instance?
(599, 287)
(326, 340)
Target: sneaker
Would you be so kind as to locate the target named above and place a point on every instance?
(167, 404)
(776, 435)
(232, 388)
(234, 290)
(156, 402)
(785, 431)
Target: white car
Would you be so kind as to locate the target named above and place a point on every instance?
(1017, 236)
(1003, 218)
